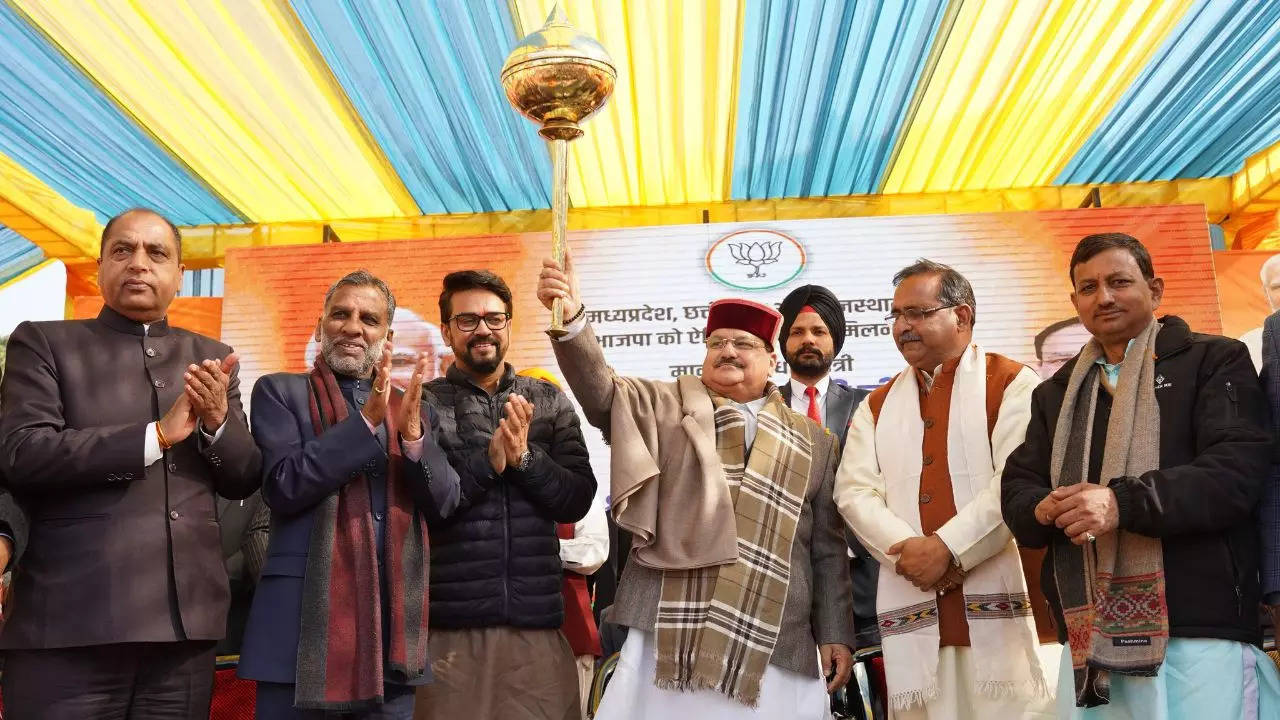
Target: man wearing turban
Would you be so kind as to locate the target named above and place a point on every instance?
(811, 338)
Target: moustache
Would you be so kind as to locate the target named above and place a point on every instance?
(908, 336)
(730, 361)
(486, 339)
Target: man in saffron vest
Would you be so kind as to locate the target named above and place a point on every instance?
(919, 484)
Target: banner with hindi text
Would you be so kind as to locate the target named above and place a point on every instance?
(646, 290)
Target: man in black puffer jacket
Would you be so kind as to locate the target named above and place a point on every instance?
(1180, 533)
(515, 441)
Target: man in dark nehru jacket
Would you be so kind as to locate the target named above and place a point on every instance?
(116, 433)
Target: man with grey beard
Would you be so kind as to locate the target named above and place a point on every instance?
(353, 478)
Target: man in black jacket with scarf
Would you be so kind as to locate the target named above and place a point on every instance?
(496, 607)
(1142, 467)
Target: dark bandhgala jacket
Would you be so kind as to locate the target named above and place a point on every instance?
(119, 552)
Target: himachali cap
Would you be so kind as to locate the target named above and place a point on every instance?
(759, 320)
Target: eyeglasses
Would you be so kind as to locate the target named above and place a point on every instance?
(467, 322)
(741, 344)
(915, 315)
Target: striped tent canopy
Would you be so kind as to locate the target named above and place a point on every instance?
(284, 121)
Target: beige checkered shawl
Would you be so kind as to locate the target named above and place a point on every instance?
(717, 626)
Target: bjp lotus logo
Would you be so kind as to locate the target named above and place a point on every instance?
(740, 259)
(756, 254)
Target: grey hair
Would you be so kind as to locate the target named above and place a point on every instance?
(953, 288)
(364, 278)
(1269, 262)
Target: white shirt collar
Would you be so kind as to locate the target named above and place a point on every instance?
(797, 387)
(749, 412)
(754, 406)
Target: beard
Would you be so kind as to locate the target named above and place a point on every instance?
(487, 365)
(809, 361)
(347, 365)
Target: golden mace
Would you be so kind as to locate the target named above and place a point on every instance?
(557, 77)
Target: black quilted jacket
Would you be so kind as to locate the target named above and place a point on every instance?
(496, 561)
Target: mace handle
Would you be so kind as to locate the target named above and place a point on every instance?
(559, 222)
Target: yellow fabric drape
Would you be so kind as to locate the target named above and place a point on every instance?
(38, 213)
(1019, 87)
(205, 246)
(666, 136)
(1256, 188)
(238, 93)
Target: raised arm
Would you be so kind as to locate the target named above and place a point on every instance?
(581, 361)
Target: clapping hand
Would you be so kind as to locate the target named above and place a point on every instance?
(206, 390)
(375, 408)
(511, 438)
(409, 419)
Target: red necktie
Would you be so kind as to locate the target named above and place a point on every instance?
(814, 414)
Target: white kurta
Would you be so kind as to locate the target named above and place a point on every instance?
(631, 694)
(956, 699)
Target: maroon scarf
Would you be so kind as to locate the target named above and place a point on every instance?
(340, 658)
(579, 625)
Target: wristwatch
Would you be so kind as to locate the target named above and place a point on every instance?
(526, 459)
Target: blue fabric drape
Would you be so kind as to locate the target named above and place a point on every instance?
(824, 90)
(424, 76)
(17, 254)
(1205, 102)
(60, 126)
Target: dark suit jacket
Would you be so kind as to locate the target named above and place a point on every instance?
(864, 570)
(245, 525)
(299, 471)
(1269, 509)
(118, 552)
(13, 522)
(840, 403)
